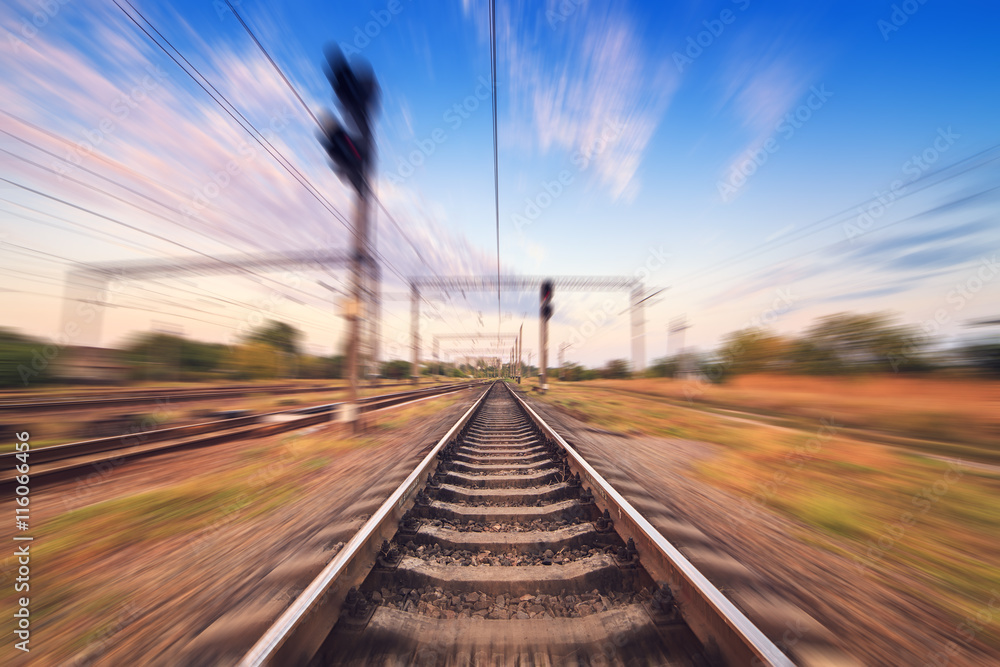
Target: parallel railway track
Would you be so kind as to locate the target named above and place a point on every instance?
(504, 547)
(58, 462)
(124, 398)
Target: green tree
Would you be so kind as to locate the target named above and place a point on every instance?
(255, 361)
(161, 356)
(278, 335)
(865, 342)
(396, 369)
(22, 359)
(616, 369)
(983, 358)
(753, 351)
(667, 367)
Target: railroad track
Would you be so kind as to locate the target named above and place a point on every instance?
(504, 547)
(148, 396)
(97, 456)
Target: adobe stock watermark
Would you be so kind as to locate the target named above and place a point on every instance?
(551, 190)
(697, 43)
(913, 168)
(381, 18)
(263, 308)
(968, 629)
(900, 14)
(922, 502)
(796, 459)
(561, 13)
(748, 164)
(219, 180)
(136, 434)
(454, 116)
(100, 643)
(259, 481)
(400, 346)
(28, 30)
(121, 107)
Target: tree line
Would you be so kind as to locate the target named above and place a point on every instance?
(844, 343)
(836, 344)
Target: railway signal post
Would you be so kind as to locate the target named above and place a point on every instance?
(351, 152)
(544, 315)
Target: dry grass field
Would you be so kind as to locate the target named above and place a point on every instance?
(897, 474)
(139, 562)
(953, 417)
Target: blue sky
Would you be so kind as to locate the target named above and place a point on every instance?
(768, 162)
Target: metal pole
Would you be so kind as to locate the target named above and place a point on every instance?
(415, 331)
(354, 308)
(638, 329)
(366, 306)
(376, 319)
(543, 353)
(520, 349)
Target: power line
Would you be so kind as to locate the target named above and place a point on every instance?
(496, 161)
(145, 210)
(89, 171)
(273, 64)
(834, 219)
(112, 163)
(305, 106)
(255, 134)
(283, 162)
(371, 191)
(47, 256)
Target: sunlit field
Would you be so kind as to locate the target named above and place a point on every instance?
(887, 504)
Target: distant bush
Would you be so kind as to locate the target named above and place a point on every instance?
(22, 360)
(616, 369)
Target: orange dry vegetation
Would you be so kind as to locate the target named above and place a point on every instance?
(950, 409)
(868, 493)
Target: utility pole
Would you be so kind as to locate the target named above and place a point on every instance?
(352, 157)
(675, 331)
(415, 331)
(563, 348)
(520, 366)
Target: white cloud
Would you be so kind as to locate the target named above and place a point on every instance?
(582, 86)
(764, 76)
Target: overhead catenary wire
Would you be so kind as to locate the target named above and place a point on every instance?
(319, 124)
(294, 172)
(496, 161)
(149, 212)
(925, 180)
(371, 190)
(255, 134)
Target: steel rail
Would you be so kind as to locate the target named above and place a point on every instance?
(299, 632)
(148, 396)
(710, 614)
(134, 445)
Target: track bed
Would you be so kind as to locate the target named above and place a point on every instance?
(504, 559)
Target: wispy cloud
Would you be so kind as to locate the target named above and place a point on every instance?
(179, 146)
(583, 84)
(765, 74)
